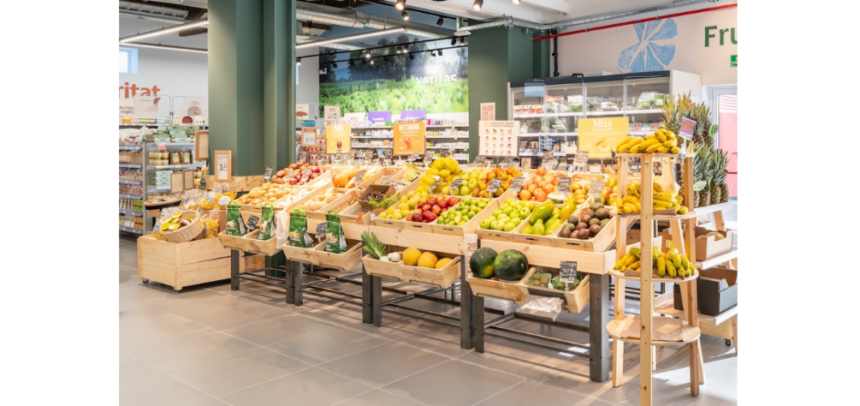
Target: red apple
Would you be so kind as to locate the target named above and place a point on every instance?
(416, 217)
(452, 201)
(316, 169)
(431, 201)
(436, 209)
(293, 181)
(443, 204)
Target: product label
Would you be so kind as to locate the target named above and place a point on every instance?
(321, 229)
(268, 174)
(507, 162)
(494, 185)
(305, 175)
(518, 183)
(224, 200)
(581, 159)
(564, 184)
(252, 222)
(567, 271)
(359, 176)
(596, 188)
(455, 184)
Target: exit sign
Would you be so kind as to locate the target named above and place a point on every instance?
(734, 61)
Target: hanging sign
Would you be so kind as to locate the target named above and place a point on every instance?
(303, 111)
(337, 138)
(223, 165)
(332, 112)
(498, 138)
(488, 111)
(409, 138)
(598, 136)
(688, 127)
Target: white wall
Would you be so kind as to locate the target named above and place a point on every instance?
(599, 51)
(308, 90)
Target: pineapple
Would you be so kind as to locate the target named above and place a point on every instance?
(719, 189)
(703, 121)
(673, 110)
(700, 171)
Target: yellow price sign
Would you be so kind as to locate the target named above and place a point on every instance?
(337, 138)
(599, 135)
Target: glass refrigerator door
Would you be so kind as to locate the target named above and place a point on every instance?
(605, 98)
(644, 101)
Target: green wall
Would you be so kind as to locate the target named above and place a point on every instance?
(498, 56)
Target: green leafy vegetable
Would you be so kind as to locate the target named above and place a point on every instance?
(372, 245)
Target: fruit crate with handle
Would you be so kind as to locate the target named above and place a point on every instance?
(574, 300)
(599, 243)
(344, 261)
(495, 288)
(250, 243)
(321, 212)
(470, 226)
(394, 173)
(443, 277)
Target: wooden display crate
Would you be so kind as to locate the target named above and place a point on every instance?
(250, 243)
(471, 226)
(442, 278)
(574, 300)
(320, 214)
(318, 256)
(514, 291)
(395, 173)
(599, 243)
(189, 263)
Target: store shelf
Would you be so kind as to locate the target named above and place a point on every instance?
(128, 196)
(669, 309)
(605, 113)
(665, 330)
(544, 115)
(636, 276)
(173, 145)
(648, 111)
(131, 230)
(710, 263)
(448, 126)
(165, 189)
(447, 137)
(130, 147)
(557, 154)
(134, 166)
(463, 148)
(368, 137)
(129, 182)
(714, 207)
(371, 147)
(130, 212)
(573, 134)
(371, 128)
(164, 167)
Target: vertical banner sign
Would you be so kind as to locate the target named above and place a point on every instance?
(223, 166)
(688, 126)
(337, 138)
(303, 111)
(309, 136)
(409, 138)
(498, 138)
(488, 111)
(332, 112)
(599, 135)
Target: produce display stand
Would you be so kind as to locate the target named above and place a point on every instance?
(647, 329)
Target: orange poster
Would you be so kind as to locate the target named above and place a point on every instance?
(409, 138)
(337, 138)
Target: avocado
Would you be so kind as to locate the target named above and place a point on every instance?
(601, 213)
(595, 206)
(604, 222)
(573, 219)
(594, 222)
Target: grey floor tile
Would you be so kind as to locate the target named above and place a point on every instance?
(139, 332)
(191, 303)
(326, 344)
(168, 355)
(144, 386)
(240, 371)
(516, 358)
(452, 383)
(530, 392)
(272, 331)
(384, 364)
(432, 336)
(307, 388)
(377, 398)
(243, 313)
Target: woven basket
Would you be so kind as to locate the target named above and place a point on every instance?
(188, 232)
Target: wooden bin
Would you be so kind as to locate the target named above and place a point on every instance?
(442, 278)
(518, 235)
(574, 300)
(600, 243)
(337, 203)
(393, 172)
(514, 291)
(470, 226)
(249, 243)
(189, 263)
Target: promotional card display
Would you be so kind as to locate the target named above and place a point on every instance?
(303, 111)
(498, 138)
(332, 112)
(598, 135)
(355, 119)
(309, 136)
(409, 138)
(337, 138)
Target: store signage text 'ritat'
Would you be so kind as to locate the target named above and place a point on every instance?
(127, 92)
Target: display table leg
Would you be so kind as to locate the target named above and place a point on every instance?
(288, 282)
(478, 333)
(598, 351)
(376, 301)
(735, 332)
(298, 280)
(234, 269)
(466, 308)
(366, 297)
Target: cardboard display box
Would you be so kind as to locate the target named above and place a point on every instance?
(709, 247)
(717, 290)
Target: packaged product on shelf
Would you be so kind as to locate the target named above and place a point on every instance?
(235, 223)
(210, 226)
(299, 236)
(165, 217)
(266, 222)
(334, 240)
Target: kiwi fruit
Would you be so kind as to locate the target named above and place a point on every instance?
(595, 207)
(565, 232)
(594, 229)
(604, 222)
(601, 213)
(573, 219)
(571, 226)
(582, 225)
(584, 234)
(585, 218)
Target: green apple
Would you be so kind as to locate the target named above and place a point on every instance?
(530, 205)
(486, 223)
(497, 212)
(524, 212)
(510, 226)
(508, 210)
(510, 200)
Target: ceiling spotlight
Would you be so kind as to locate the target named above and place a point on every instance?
(478, 4)
(412, 57)
(440, 52)
(371, 61)
(385, 58)
(517, 2)
(433, 53)
(299, 61)
(440, 21)
(405, 15)
(367, 54)
(334, 65)
(400, 4)
(453, 41)
(462, 40)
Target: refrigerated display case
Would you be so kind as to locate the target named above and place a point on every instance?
(549, 109)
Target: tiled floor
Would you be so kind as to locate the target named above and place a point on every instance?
(211, 346)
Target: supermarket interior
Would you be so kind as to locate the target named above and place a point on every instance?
(483, 225)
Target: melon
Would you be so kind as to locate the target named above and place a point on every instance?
(511, 265)
(481, 263)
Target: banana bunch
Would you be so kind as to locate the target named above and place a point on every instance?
(662, 199)
(663, 141)
(670, 263)
(669, 199)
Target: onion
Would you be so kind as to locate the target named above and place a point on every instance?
(384, 259)
(394, 256)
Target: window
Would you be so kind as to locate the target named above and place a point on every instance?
(127, 60)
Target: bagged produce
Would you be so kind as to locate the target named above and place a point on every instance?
(235, 224)
(299, 236)
(266, 222)
(334, 240)
(282, 227)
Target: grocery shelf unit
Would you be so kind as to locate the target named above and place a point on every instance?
(655, 330)
(459, 153)
(553, 101)
(140, 198)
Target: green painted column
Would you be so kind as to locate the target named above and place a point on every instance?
(498, 56)
(251, 77)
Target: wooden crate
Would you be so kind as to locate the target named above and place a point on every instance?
(442, 278)
(518, 236)
(336, 203)
(574, 301)
(548, 256)
(514, 291)
(396, 173)
(345, 261)
(600, 243)
(187, 264)
(470, 226)
(351, 230)
(249, 243)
